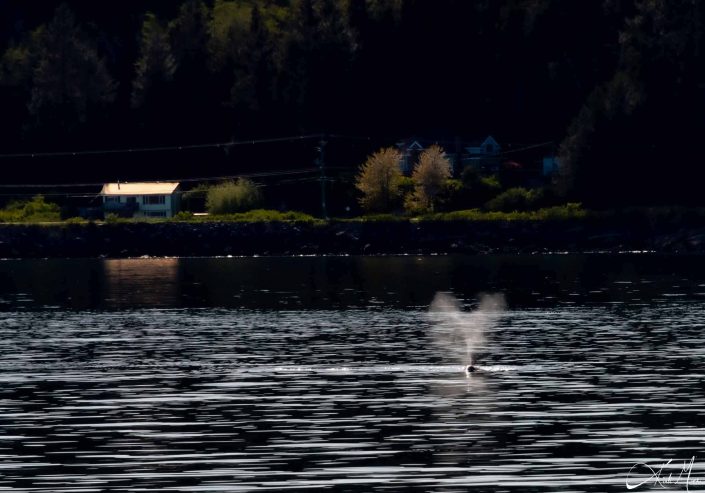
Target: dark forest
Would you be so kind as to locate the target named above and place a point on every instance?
(618, 85)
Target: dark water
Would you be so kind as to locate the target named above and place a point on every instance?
(300, 374)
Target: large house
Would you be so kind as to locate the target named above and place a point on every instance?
(410, 151)
(146, 199)
(485, 155)
(536, 163)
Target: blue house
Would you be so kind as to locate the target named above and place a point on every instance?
(550, 165)
(484, 156)
(410, 152)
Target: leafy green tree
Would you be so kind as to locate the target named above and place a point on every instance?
(430, 175)
(379, 181)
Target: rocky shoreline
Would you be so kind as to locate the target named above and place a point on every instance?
(353, 238)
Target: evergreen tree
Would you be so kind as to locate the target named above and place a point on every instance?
(156, 65)
(70, 81)
(199, 114)
(253, 76)
(317, 56)
(189, 36)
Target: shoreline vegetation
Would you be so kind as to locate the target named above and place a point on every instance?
(38, 212)
(34, 229)
(262, 232)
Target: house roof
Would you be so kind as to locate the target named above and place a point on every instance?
(490, 140)
(140, 188)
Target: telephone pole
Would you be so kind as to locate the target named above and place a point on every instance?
(322, 166)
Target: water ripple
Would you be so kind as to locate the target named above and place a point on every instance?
(241, 400)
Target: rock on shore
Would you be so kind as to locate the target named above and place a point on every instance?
(279, 238)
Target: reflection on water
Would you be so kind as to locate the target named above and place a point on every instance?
(345, 282)
(330, 379)
(141, 282)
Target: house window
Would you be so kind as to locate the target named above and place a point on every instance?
(131, 200)
(154, 199)
(112, 200)
(490, 148)
(155, 214)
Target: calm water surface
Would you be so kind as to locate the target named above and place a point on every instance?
(300, 374)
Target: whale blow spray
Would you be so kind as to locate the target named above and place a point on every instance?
(462, 332)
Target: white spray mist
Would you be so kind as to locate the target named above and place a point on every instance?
(460, 332)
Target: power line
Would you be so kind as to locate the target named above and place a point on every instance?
(217, 145)
(138, 150)
(64, 195)
(351, 137)
(262, 174)
(53, 185)
(527, 148)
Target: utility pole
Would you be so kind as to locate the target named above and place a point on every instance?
(322, 166)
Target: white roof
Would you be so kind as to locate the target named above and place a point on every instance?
(140, 188)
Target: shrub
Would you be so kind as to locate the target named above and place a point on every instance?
(379, 181)
(10, 216)
(451, 195)
(35, 210)
(75, 220)
(516, 199)
(571, 210)
(232, 197)
(112, 218)
(183, 216)
(491, 184)
(557, 213)
(470, 176)
(382, 218)
(262, 215)
(477, 189)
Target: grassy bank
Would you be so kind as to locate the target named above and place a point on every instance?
(569, 211)
(42, 215)
(39, 213)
